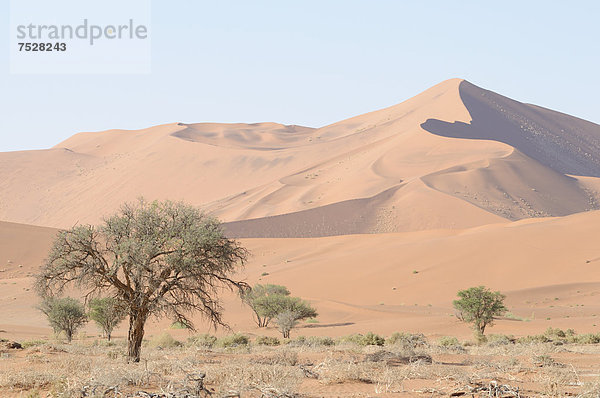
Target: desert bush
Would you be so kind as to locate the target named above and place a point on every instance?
(499, 339)
(33, 343)
(407, 340)
(280, 357)
(588, 338)
(242, 376)
(534, 339)
(233, 340)
(312, 341)
(164, 340)
(202, 340)
(267, 340)
(64, 315)
(363, 340)
(449, 342)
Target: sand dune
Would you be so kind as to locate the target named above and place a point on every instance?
(368, 282)
(403, 168)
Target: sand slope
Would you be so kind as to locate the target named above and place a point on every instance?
(429, 162)
(549, 269)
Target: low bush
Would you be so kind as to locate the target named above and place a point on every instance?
(407, 340)
(202, 340)
(312, 341)
(33, 343)
(233, 340)
(363, 340)
(164, 340)
(500, 339)
(267, 340)
(449, 342)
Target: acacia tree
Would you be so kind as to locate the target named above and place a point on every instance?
(160, 259)
(262, 298)
(65, 314)
(479, 305)
(107, 312)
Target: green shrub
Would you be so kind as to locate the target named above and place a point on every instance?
(500, 339)
(407, 340)
(233, 340)
(202, 340)
(449, 342)
(164, 340)
(267, 340)
(373, 339)
(539, 338)
(588, 338)
(33, 343)
(312, 341)
(363, 340)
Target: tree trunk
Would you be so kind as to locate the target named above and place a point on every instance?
(136, 334)
(108, 336)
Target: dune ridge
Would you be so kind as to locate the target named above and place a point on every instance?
(454, 156)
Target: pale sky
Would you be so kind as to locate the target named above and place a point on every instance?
(313, 63)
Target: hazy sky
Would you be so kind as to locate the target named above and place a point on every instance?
(313, 63)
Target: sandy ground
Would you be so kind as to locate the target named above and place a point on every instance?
(548, 268)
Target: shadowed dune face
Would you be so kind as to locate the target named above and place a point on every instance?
(564, 143)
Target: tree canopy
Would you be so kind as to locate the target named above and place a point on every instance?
(479, 305)
(107, 312)
(64, 314)
(163, 259)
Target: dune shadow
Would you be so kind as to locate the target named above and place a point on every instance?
(325, 325)
(564, 143)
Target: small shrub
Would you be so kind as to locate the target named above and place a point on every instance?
(164, 340)
(539, 338)
(373, 339)
(588, 338)
(407, 340)
(233, 340)
(267, 340)
(202, 340)
(312, 341)
(33, 343)
(500, 339)
(449, 342)
(362, 340)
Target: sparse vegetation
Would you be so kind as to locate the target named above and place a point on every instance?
(202, 340)
(233, 340)
(164, 340)
(267, 340)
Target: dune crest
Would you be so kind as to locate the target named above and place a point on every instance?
(454, 156)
